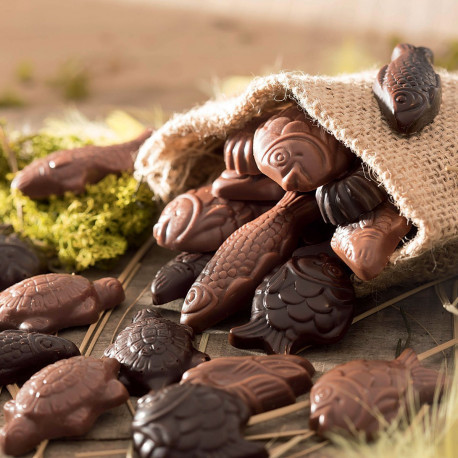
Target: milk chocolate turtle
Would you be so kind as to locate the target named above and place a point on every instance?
(23, 353)
(153, 352)
(63, 399)
(49, 302)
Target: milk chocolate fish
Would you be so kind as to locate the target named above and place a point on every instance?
(72, 169)
(407, 89)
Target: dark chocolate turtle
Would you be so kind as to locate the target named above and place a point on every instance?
(188, 420)
(49, 302)
(23, 353)
(153, 352)
(63, 399)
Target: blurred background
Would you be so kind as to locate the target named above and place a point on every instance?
(154, 57)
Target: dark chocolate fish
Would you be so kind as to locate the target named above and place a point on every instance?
(262, 382)
(230, 278)
(173, 280)
(408, 90)
(72, 169)
(153, 352)
(356, 397)
(23, 353)
(187, 420)
(307, 300)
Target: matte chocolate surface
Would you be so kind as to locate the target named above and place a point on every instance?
(18, 261)
(173, 280)
(188, 420)
(23, 353)
(71, 170)
(262, 382)
(49, 302)
(153, 352)
(231, 185)
(63, 399)
(307, 300)
(408, 91)
(353, 397)
(297, 153)
(229, 280)
(197, 221)
(343, 201)
(366, 246)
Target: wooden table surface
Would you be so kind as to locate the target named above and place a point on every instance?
(375, 337)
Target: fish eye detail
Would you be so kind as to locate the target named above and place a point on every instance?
(278, 157)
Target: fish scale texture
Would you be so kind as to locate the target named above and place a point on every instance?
(411, 169)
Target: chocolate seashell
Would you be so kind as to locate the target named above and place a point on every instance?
(343, 201)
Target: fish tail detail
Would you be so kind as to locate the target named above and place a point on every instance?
(408, 358)
(299, 204)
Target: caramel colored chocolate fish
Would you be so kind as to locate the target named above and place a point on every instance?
(63, 399)
(308, 300)
(366, 246)
(408, 90)
(49, 302)
(173, 280)
(356, 397)
(297, 153)
(262, 382)
(197, 221)
(72, 169)
(230, 278)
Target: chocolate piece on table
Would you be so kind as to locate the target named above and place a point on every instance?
(63, 399)
(231, 185)
(297, 153)
(199, 222)
(408, 91)
(18, 260)
(343, 201)
(188, 420)
(49, 302)
(173, 280)
(230, 278)
(153, 352)
(23, 353)
(71, 170)
(262, 382)
(308, 300)
(353, 397)
(366, 246)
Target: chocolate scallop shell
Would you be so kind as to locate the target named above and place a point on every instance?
(343, 201)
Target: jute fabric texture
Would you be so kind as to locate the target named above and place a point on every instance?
(186, 152)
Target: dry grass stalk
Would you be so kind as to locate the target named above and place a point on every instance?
(130, 407)
(438, 349)
(276, 435)
(277, 452)
(312, 449)
(40, 450)
(266, 416)
(115, 452)
(204, 342)
(9, 154)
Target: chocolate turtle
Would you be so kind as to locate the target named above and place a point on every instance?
(23, 353)
(153, 352)
(49, 302)
(63, 399)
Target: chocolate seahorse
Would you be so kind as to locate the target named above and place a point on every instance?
(407, 89)
(72, 169)
(230, 278)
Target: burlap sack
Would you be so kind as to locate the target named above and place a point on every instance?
(186, 151)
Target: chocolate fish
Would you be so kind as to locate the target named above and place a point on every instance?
(343, 201)
(407, 89)
(63, 399)
(153, 352)
(173, 280)
(366, 246)
(233, 186)
(297, 153)
(187, 420)
(262, 382)
(23, 353)
(197, 221)
(230, 278)
(307, 300)
(353, 397)
(72, 169)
